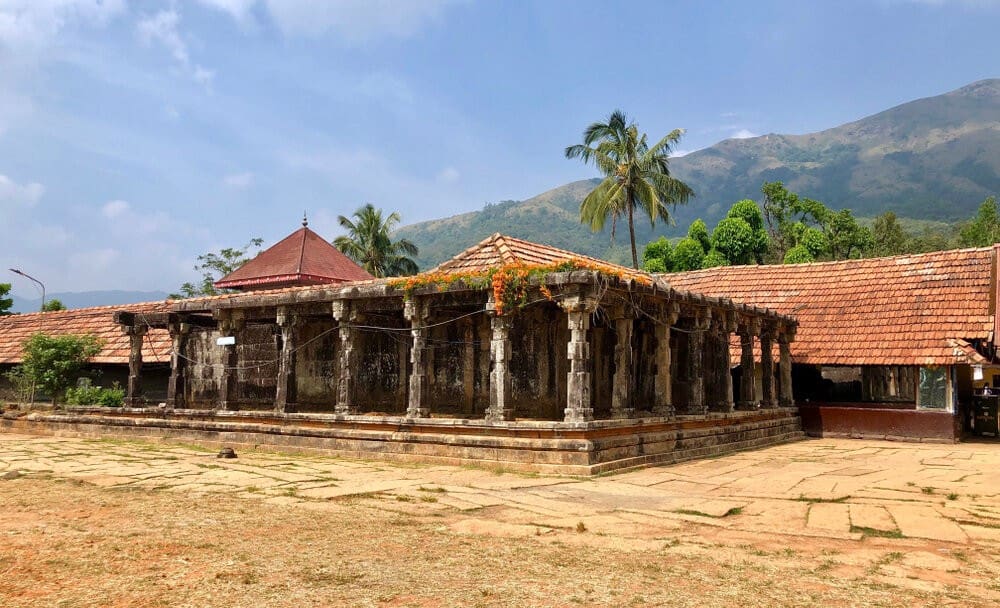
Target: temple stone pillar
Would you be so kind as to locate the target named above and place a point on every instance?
(176, 383)
(748, 377)
(578, 309)
(230, 325)
(621, 387)
(136, 334)
(347, 362)
(285, 391)
(696, 360)
(768, 396)
(663, 381)
(501, 405)
(417, 311)
(724, 323)
(469, 365)
(786, 398)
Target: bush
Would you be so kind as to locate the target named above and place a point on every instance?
(815, 241)
(20, 385)
(654, 265)
(699, 232)
(734, 240)
(658, 250)
(798, 255)
(54, 362)
(96, 395)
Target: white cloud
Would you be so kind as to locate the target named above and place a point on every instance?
(17, 194)
(743, 134)
(240, 10)
(162, 29)
(356, 21)
(113, 209)
(27, 25)
(238, 180)
(449, 175)
(680, 153)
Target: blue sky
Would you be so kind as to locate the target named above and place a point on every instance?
(136, 135)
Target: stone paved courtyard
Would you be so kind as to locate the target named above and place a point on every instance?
(932, 508)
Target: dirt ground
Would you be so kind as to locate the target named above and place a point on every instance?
(110, 527)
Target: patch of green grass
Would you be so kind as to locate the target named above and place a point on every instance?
(952, 496)
(875, 532)
(428, 499)
(813, 499)
(927, 490)
(403, 498)
(581, 527)
(439, 490)
(733, 511)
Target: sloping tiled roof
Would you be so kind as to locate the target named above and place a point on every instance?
(499, 249)
(902, 310)
(301, 258)
(98, 320)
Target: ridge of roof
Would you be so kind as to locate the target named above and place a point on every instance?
(85, 310)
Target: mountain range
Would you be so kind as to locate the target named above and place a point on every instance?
(935, 158)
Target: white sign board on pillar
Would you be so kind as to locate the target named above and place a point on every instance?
(226, 340)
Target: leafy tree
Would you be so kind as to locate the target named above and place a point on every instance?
(734, 240)
(888, 237)
(815, 241)
(788, 215)
(655, 265)
(54, 362)
(5, 302)
(699, 232)
(847, 238)
(214, 266)
(713, 259)
(688, 255)
(53, 305)
(658, 254)
(369, 243)
(637, 175)
(748, 211)
(984, 229)
(798, 255)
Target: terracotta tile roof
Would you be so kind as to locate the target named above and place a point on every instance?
(301, 258)
(902, 310)
(15, 329)
(499, 249)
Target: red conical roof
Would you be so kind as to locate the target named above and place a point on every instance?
(301, 258)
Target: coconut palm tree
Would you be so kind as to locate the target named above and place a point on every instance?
(369, 243)
(637, 175)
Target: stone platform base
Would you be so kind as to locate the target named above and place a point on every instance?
(585, 448)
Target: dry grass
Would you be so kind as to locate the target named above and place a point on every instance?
(71, 544)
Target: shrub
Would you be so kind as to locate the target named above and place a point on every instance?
(96, 395)
(714, 259)
(53, 362)
(798, 255)
(699, 232)
(654, 265)
(688, 255)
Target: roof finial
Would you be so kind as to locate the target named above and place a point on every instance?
(305, 221)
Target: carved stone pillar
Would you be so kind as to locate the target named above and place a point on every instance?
(696, 369)
(768, 397)
(347, 361)
(231, 325)
(621, 388)
(469, 365)
(723, 325)
(285, 392)
(578, 398)
(663, 382)
(501, 405)
(136, 334)
(748, 376)
(417, 311)
(178, 375)
(785, 338)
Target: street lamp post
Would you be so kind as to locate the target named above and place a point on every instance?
(28, 276)
(42, 285)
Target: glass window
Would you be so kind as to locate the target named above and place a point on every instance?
(933, 388)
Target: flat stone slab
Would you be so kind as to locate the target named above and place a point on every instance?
(926, 522)
(829, 516)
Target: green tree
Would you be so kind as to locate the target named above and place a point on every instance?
(699, 232)
(5, 302)
(53, 305)
(637, 175)
(688, 255)
(748, 211)
(734, 240)
(713, 259)
(53, 362)
(798, 255)
(214, 266)
(787, 216)
(847, 238)
(657, 256)
(815, 241)
(888, 237)
(369, 243)
(984, 229)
